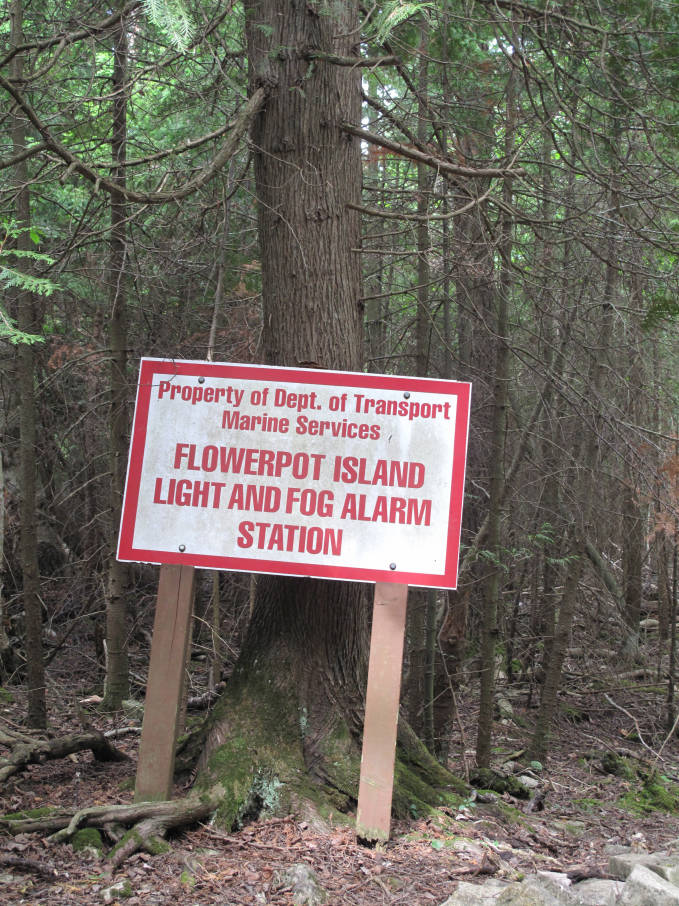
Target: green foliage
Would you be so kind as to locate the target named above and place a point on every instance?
(656, 793)
(173, 18)
(12, 277)
(664, 307)
(542, 539)
(393, 14)
(618, 766)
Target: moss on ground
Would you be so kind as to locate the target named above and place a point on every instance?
(87, 838)
(31, 814)
(618, 766)
(655, 793)
(486, 779)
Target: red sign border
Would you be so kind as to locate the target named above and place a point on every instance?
(150, 368)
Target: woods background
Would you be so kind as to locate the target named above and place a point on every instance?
(504, 211)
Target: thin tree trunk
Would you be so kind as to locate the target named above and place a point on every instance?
(414, 687)
(586, 460)
(632, 511)
(423, 314)
(429, 733)
(672, 678)
(117, 680)
(420, 650)
(28, 322)
(492, 585)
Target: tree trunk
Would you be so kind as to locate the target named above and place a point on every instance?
(117, 680)
(287, 727)
(492, 590)
(587, 459)
(27, 320)
(633, 513)
(6, 654)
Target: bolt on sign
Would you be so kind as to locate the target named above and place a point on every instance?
(300, 472)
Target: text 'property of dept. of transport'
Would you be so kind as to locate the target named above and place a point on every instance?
(310, 473)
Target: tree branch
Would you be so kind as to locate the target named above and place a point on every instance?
(76, 165)
(22, 155)
(354, 62)
(25, 750)
(422, 218)
(72, 37)
(436, 163)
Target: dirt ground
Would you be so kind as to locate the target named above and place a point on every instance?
(580, 807)
(582, 813)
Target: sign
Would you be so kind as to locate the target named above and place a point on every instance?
(300, 472)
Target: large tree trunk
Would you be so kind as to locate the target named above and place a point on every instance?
(288, 724)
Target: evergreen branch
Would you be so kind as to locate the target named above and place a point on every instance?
(534, 13)
(172, 17)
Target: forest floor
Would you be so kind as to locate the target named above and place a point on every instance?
(584, 810)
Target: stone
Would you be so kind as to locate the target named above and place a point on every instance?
(553, 880)
(504, 707)
(645, 888)
(536, 891)
(467, 894)
(121, 890)
(530, 783)
(306, 891)
(133, 710)
(597, 892)
(668, 868)
(620, 865)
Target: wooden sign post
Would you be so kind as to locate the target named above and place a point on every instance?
(297, 472)
(167, 671)
(373, 817)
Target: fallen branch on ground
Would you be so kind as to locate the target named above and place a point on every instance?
(25, 750)
(45, 871)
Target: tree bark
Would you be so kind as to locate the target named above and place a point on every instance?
(117, 680)
(6, 654)
(492, 589)
(289, 722)
(27, 320)
(300, 673)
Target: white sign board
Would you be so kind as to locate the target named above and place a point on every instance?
(300, 472)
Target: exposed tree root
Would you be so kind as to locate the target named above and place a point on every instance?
(25, 750)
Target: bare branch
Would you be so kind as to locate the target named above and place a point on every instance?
(22, 155)
(354, 62)
(71, 37)
(436, 163)
(76, 165)
(422, 218)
